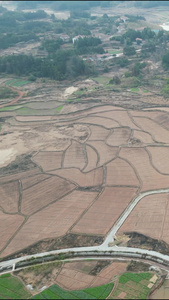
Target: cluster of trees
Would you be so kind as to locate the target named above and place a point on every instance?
(165, 60)
(72, 27)
(10, 39)
(77, 14)
(51, 46)
(25, 16)
(129, 50)
(132, 18)
(88, 45)
(59, 66)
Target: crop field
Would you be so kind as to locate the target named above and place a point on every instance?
(133, 286)
(12, 288)
(55, 292)
(85, 168)
(17, 82)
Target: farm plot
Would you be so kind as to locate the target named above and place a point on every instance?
(49, 160)
(9, 198)
(89, 179)
(53, 221)
(119, 172)
(119, 137)
(106, 275)
(121, 117)
(106, 123)
(159, 133)
(98, 133)
(92, 159)
(74, 156)
(55, 292)
(150, 217)
(143, 137)
(105, 152)
(132, 286)
(9, 224)
(151, 179)
(43, 193)
(12, 288)
(160, 158)
(29, 181)
(101, 216)
(73, 279)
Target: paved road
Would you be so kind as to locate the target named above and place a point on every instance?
(104, 247)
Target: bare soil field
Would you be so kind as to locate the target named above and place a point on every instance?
(119, 172)
(52, 221)
(101, 148)
(9, 199)
(112, 202)
(139, 159)
(150, 217)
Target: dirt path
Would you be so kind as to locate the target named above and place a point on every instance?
(20, 94)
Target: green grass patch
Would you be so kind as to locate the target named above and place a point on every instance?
(12, 288)
(26, 111)
(6, 92)
(55, 292)
(115, 51)
(134, 90)
(12, 107)
(145, 91)
(101, 79)
(79, 93)
(20, 83)
(71, 100)
(17, 82)
(58, 109)
(10, 81)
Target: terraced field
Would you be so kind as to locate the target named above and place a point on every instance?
(85, 168)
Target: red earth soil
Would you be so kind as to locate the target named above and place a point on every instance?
(150, 217)
(43, 193)
(160, 158)
(53, 221)
(159, 133)
(49, 160)
(151, 179)
(105, 152)
(119, 136)
(92, 178)
(9, 196)
(119, 172)
(105, 211)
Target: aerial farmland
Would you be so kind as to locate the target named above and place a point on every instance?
(84, 146)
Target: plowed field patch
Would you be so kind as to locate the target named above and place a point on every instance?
(92, 178)
(49, 160)
(105, 211)
(119, 172)
(9, 196)
(43, 193)
(52, 221)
